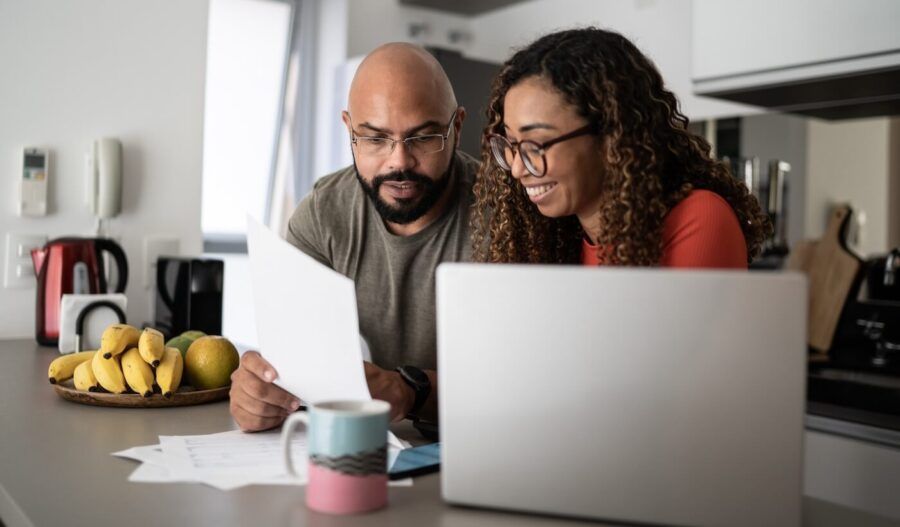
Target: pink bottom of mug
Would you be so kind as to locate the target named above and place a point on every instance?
(335, 493)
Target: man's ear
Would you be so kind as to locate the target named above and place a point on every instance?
(345, 116)
(458, 123)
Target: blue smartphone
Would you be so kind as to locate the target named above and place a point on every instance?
(416, 461)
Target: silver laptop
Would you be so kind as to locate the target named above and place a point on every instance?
(656, 396)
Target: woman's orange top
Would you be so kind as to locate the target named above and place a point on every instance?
(701, 231)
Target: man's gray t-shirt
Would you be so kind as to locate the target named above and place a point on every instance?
(338, 225)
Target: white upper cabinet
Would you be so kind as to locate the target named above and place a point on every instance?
(740, 37)
(832, 59)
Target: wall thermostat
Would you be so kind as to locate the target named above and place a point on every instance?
(33, 187)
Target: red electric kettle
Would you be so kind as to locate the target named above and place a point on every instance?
(71, 265)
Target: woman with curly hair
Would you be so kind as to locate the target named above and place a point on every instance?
(587, 159)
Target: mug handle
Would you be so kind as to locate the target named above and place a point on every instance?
(286, 432)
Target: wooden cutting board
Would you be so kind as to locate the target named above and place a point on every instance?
(832, 270)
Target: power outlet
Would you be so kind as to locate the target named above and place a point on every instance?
(154, 247)
(19, 270)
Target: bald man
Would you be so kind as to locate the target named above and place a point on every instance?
(386, 222)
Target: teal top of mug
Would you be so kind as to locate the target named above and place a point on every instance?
(338, 433)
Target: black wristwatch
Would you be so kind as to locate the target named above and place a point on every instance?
(418, 380)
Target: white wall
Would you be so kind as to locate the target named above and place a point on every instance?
(661, 29)
(74, 71)
(374, 22)
(850, 160)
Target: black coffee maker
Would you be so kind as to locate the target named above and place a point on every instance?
(868, 335)
(860, 380)
(189, 295)
(883, 277)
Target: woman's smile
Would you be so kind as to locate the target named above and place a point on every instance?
(538, 193)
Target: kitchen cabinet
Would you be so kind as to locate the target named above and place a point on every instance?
(854, 473)
(735, 37)
(828, 58)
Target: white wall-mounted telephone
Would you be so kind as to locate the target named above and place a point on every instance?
(103, 165)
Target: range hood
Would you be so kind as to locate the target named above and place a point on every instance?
(847, 88)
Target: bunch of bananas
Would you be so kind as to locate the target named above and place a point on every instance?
(127, 358)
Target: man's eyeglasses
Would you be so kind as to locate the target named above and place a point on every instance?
(532, 152)
(417, 144)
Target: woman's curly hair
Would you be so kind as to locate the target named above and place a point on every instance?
(652, 161)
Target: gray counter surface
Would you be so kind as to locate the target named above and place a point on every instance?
(56, 469)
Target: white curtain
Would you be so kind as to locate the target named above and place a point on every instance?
(293, 168)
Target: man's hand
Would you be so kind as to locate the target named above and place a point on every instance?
(389, 386)
(256, 403)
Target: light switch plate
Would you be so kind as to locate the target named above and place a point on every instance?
(18, 269)
(154, 247)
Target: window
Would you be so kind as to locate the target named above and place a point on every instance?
(247, 50)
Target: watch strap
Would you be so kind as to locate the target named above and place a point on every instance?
(421, 389)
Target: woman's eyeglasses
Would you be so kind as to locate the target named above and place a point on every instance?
(532, 152)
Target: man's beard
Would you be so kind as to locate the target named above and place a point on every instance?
(406, 210)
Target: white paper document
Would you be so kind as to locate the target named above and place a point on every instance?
(229, 460)
(306, 320)
(250, 457)
(146, 454)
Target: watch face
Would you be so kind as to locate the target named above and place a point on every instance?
(415, 374)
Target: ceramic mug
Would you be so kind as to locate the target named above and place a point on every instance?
(347, 442)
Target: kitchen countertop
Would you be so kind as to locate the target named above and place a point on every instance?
(56, 469)
(861, 404)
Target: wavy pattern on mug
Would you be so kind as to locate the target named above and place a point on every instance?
(360, 464)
